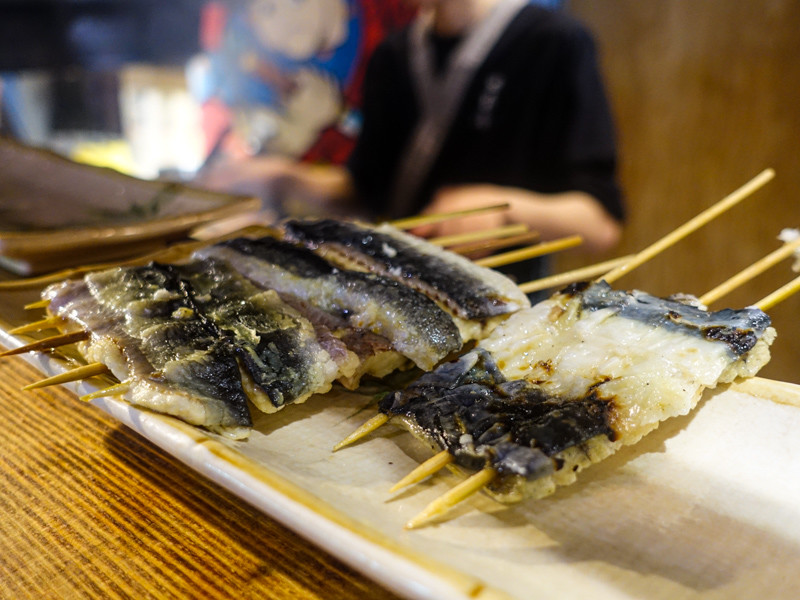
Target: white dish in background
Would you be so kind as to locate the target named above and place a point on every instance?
(707, 506)
(55, 212)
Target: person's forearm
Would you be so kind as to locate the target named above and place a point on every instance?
(326, 183)
(564, 214)
(552, 215)
(284, 179)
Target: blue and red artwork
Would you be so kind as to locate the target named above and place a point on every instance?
(284, 76)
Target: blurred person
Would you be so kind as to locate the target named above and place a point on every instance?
(284, 77)
(478, 102)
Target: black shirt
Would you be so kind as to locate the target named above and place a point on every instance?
(534, 116)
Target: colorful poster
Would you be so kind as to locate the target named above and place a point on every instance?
(284, 76)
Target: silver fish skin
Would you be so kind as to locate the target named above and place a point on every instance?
(415, 325)
(276, 345)
(186, 348)
(468, 290)
(112, 344)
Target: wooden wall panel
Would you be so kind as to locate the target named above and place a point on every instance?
(705, 95)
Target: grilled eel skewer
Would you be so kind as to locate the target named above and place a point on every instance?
(566, 383)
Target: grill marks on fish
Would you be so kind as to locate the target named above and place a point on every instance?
(414, 324)
(467, 290)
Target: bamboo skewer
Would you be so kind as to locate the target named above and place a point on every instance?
(779, 295)
(434, 464)
(507, 258)
(83, 372)
(575, 275)
(750, 272)
(221, 229)
(114, 390)
(38, 304)
(496, 244)
(479, 235)
(41, 325)
(692, 225)
(418, 220)
(367, 428)
(49, 343)
(459, 493)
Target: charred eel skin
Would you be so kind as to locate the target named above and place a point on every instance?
(473, 292)
(470, 409)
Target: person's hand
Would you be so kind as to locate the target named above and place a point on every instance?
(465, 197)
(286, 185)
(254, 175)
(550, 215)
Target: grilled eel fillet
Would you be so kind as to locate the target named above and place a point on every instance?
(281, 357)
(147, 331)
(564, 384)
(476, 297)
(212, 340)
(415, 326)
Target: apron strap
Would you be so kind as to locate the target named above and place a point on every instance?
(440, 98)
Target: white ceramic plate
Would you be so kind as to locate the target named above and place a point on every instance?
(55, 212)
(707, 506)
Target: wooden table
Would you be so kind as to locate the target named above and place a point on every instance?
(92, 509)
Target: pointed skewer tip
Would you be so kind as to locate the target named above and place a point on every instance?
(416, 221)
(83, 372)
(365, 429)
(429, 467)
(37, 304)
(48, 343)
(540, 249)
(448, 500)
(482, 235)
(41, 325)
(114, 390)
